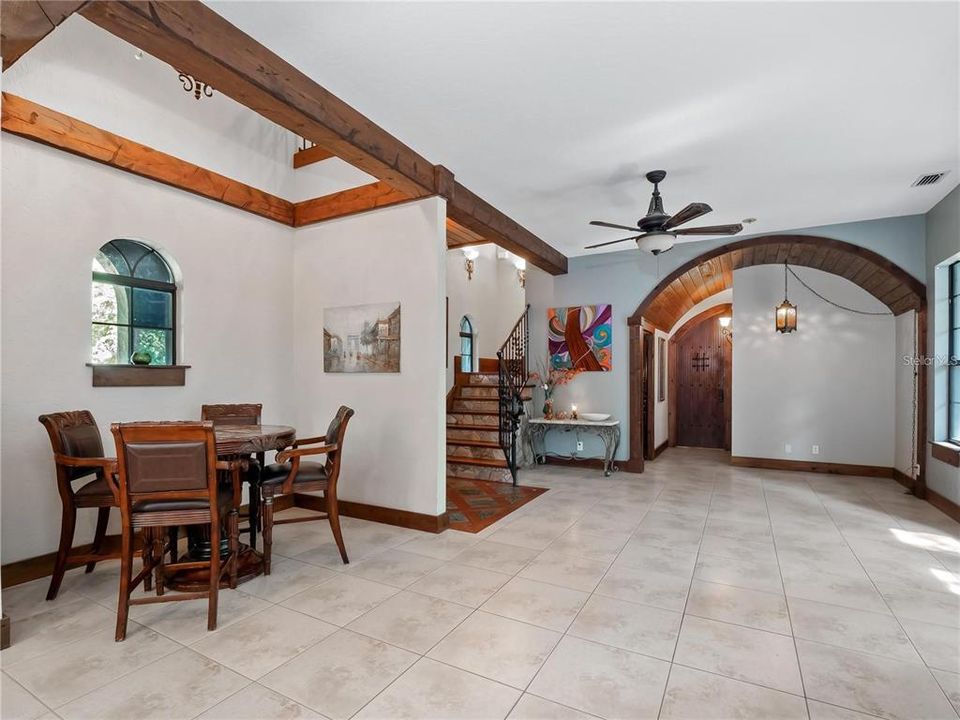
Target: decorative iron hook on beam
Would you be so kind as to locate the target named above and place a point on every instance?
(197, 87)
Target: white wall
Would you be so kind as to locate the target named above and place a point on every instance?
(831, 383)
(396, 442)
(493, 299)
(904, 371)
(236, 308)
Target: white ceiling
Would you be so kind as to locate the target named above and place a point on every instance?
(798, 114)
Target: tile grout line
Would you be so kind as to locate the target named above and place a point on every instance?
(886, 603)
(686, 600)
(786, 600)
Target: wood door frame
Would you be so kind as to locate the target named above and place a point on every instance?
(650, 363)
(682, 331)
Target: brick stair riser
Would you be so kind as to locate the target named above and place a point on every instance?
(479, 406)
(479, 472)
(478, 392)
(473, 451)
(455, 434)
(491, 421)
(483, 379)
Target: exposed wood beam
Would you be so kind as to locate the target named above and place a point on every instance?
(347, 202)
(194, 39)
(35, 122)
(24, 23)
(476, 214)
(311, 155)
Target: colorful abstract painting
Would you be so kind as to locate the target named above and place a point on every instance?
(580, 337)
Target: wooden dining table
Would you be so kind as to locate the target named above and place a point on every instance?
(235, 444)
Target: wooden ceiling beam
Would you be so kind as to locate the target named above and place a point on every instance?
(194, 39)
(41, 124)
(347, 202)
(476, 214)
(311, 155)
(24, 23)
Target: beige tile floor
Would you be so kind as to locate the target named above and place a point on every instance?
(695, 590)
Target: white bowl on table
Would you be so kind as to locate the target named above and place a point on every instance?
(594, 417)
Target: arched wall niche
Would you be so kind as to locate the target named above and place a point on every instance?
(712, 272)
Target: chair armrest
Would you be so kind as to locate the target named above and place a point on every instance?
(104, 463)
(107, 466)
(309, 441)
(297, 453)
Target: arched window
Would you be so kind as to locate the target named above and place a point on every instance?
(134, 305)
(466, 345)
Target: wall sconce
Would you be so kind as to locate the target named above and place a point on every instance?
(471, 254)
(725, 322)
(786, 312)
(521, 265)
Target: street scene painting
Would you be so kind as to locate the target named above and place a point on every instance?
(362, 338)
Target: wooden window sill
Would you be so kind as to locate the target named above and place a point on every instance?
(138, 375)
(946, 452)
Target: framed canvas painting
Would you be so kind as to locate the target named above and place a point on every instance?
(362, 338)
(580, 337)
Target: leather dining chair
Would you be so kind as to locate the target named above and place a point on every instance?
(167, 476)
(285, 478)
(242, 414)
(78, 455)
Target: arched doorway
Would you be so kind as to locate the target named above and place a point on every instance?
(712, 272)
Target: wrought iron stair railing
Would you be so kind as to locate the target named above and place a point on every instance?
(513, 373)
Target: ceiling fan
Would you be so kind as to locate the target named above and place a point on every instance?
(656, 230)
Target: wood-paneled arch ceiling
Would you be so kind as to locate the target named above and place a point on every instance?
(712, 272)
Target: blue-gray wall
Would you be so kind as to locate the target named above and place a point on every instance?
(625, 278)
(942, 244)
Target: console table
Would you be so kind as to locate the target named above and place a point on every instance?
(607, 430)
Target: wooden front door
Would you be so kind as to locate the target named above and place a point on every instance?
(700, 385)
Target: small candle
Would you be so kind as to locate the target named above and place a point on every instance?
(573, 411)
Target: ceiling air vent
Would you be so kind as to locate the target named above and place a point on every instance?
(931, 179)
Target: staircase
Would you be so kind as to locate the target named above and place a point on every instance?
(483, 414)
(473, 444)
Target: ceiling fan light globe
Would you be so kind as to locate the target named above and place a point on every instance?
(656, 242)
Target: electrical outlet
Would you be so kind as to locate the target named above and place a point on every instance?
(815, 449)
(579, 445)
(788, 448)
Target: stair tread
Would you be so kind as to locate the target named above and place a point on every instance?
(467, 460)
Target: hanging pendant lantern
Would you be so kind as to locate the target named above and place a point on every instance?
(786, 312)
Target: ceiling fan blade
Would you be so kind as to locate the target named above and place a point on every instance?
(612, 225)
(612, 242)
(690, 212)
(711, 230)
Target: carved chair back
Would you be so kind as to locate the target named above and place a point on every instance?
(160, 461)
(75, 434)
(335, 434)
(232, 414)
